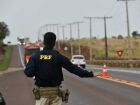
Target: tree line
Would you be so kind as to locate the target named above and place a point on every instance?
(4, 32)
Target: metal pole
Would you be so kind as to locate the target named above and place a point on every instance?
(71, 39)
(63, 31)
(105, 31)
(90, 33)
(128, 28)
(39, 33)
(58, 36)
(71, 46)
(106, 46)
(128, 31)
(78, 32)
(46, 28)
(53, 28)
(50, 27)
(78, 37)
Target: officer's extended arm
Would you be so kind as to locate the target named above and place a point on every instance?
(74, 69)
(30, 68)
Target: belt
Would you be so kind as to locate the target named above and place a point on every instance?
(49, 91)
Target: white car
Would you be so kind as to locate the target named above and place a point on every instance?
(78, 60)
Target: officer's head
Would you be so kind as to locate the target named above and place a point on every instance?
(49, 39)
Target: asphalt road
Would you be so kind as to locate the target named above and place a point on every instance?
(130, 74)
(94, 91)
(15, 60)
(17, 90)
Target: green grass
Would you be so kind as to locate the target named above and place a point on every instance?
(6, 60)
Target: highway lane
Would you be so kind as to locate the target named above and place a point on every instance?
(131, 74)
(17, 90)
(100, 92)
(21, 54)
(15, 60)
(128, 74)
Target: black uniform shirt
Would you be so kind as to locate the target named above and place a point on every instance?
(47, 65)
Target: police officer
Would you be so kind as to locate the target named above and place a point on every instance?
(46, 66)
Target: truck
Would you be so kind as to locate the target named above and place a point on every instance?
(30, 49)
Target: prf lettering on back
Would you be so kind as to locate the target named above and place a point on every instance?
(45, 57)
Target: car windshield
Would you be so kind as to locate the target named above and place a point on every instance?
(78, 58)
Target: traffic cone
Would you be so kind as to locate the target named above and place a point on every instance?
(104, 74)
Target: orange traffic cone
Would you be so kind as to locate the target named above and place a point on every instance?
(104, 74)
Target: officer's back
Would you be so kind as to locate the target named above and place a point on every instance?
(47, 65)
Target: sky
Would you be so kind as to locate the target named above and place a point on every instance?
(26, 17)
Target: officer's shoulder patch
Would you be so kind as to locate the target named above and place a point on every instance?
(45, 57)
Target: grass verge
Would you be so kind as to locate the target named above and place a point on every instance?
(6, 60)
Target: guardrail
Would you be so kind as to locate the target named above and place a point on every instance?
(117, 63)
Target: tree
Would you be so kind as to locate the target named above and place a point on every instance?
(114, 37)
(135, 34)
(120, 37)
(4, 31)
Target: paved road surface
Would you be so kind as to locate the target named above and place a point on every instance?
(100, 92)
(17, 90)
(131, 74)
(15, 60)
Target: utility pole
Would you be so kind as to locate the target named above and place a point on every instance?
(57, 25)
(63, 31)
(78, 32)
(40, 33)
(128, 28)
(90, 33)
(105, 31)
(71, 46)
(53, 27)
(46, 25)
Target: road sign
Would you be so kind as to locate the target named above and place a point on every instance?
(66, 48)
(119, 52)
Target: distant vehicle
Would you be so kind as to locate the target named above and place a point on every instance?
(21, 40)
(78, 60)
(30, 49)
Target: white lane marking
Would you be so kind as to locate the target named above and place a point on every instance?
(21, 59)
